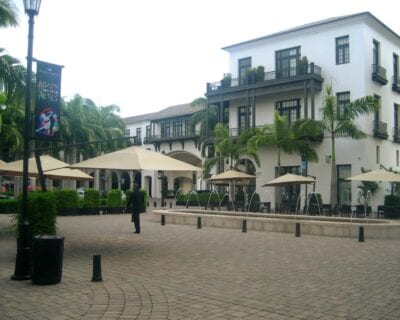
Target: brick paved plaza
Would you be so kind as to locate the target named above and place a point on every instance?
(180, 272)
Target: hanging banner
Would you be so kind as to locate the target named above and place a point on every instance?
(48, 92)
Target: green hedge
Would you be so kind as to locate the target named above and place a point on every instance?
(8, 205)
(392, 200)
(66, 198)
(91, 199)
(42, 213)
(114, 198)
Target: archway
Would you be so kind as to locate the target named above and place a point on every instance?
(125, 181)
(114, 180)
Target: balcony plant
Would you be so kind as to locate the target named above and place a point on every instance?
(226, 81)
(302, 66)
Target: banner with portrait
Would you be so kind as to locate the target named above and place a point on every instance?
(48, 95)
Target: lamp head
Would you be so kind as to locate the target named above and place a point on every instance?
(32, 7)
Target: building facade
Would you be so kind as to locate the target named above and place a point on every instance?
(357, 55)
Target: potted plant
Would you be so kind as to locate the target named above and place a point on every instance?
(91, 202)
(114, 201)
(67, 201)
(226, 81)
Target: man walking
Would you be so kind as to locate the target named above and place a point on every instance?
(136, 202)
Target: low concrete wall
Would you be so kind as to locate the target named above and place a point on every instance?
(310, 225)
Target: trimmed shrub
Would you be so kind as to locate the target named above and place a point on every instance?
(255, 203)
(66, 198)
(392, 200)
(114, 198)
(91, 199)
(8, 205)
(42, 213)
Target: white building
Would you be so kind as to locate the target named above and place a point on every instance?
(357, 55)
(169, 132)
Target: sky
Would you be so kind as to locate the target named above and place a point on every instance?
(146, 55)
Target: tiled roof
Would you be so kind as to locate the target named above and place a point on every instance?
(172, 111)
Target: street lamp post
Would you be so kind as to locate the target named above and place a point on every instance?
(23, 259)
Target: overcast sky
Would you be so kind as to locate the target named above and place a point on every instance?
(146, 55)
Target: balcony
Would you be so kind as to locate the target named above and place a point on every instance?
(379, 74)
(396, 84)
(158, 138)
(396, 134)
(380, 130)
(269, 83)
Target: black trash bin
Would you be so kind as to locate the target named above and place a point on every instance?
(47, 259)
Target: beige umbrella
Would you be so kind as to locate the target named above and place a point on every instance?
(232, 175)
(377, 175)
(52, 168)
(135, 158)
(290, 178)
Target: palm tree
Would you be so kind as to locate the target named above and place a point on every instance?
(340, 123)
(228, 149)
(291, 140)
(200, 118)
(8, 14)
(295, 139)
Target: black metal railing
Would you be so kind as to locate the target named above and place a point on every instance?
(379, 74)
(172, 136)
(380, 129)
(290, 73)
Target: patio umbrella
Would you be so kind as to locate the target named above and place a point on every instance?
(232, 175)
(290, 178)
(377, 175)
(135, 158)
(52, 168)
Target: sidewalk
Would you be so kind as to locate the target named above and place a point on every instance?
(180, 272)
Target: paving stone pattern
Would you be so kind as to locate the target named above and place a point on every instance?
(181, 272)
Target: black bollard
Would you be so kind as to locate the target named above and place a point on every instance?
(96, 268)
(170, 204)
(163, 219)
(198, 222)
(244, 226)
(155, 204)
(361, 234)
(298, 229)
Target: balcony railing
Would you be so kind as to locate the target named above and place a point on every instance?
(396, 84)
(171, 137)
(379, 74)
(380, 130)
(266, 78)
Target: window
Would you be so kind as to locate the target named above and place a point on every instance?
(177, 128)
(290, 109)
(165, 130)
(378, 155)
(187, 128)
(395, 66)
(377, 115)
(139, 134)
(148, 131)
(342, 50)
(343, 185)
(343, 101)
(127, 132)
(376, 54)
(396, 121)
(286, 62)
(244, 118)
(244, 65)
